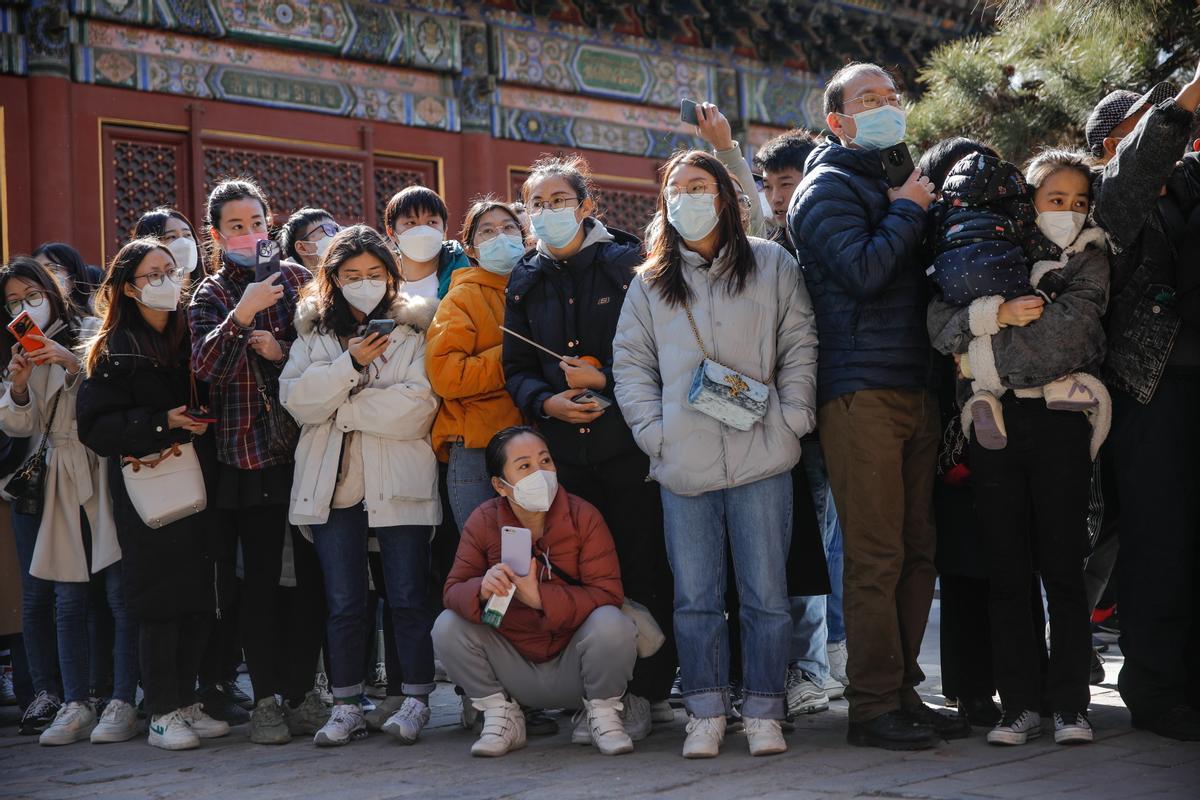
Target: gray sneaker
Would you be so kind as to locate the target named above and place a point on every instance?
(383, 711)
(804, 694)
(406, 724)
(344, 726)
(308, 717)
(267, 725)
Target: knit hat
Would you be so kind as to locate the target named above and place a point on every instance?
(1117, 107)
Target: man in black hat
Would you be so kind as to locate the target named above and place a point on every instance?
(1144, 198)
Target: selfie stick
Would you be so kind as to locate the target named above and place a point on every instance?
(533, 343)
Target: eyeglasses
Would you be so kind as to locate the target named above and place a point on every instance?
(744, 202)
(157, 278)
(486, 234)
(31, 300)
(695, 190)
(328, 228)
(355, 283)
(555, 204)
(871, 100)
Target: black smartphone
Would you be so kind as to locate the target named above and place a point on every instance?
(897, 164)
(589, 396)
(197, 414)
(266, 262)
(383, 327)
(687, 111)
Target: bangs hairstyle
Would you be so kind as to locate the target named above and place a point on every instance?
(412, 201)
(574, 169)
(1053, 160)
(296, 226)
(226, 191)
(119, 312)
(496, 454)
(29, 269)
(333, 312)
(787, 151)
(481, 206)
(153, 225)
(663, 269)
(85, 279)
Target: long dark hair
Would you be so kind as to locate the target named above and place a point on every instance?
(662, 269)
(28, 268)
(84, 279)
(153, 225)
(226, 192)
(333, 312)
(119, 312)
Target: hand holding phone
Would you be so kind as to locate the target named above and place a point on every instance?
(200, 414)
(266, 261)
(382, 327)
(897, 164)
(24, 329)
(516, 549)
(589, 396)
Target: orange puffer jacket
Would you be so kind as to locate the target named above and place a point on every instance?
(462, 359)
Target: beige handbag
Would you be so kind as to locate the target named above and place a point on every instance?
(165, 488)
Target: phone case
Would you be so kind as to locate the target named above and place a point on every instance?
(687, 111)
(897, 164)
(22, 328)
(516, 548)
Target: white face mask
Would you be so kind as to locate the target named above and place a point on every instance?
(365, 294)
(693, 217)
(40, 314)
(535, 492)
(501, 253)
(1061, 227)
(421, 243)
(164, 297)
(323, 247)
(184, 251)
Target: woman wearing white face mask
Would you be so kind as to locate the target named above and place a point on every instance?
(1032, 493)
(415, 221)
(306, 236)
(364, 464)
(135, 403)
(563, 636)
(707, 291)
(463, 356)
(72, 507)
(174, 230)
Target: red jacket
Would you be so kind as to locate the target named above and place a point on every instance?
(578, 542)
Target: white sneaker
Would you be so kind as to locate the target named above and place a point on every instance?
(1072, 729)
(1016, 729)
(607, 729)
(73, 723)
(202, 724)
(704, 737)
(636, 715)
(804, 695)
(346, 723)
(383, 711)
(408, 721)
(662, 712)
(171, 732)
(503, 726)
(987, 418)
(118, 723)
(765, 735)
(834, 689)
(838, 653)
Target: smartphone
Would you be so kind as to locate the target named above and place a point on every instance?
(197, 414)
(591, 397)
(383, 327)
(897, 163)
(23, 328)
(266, 261)
(687, 111)
(516, 549)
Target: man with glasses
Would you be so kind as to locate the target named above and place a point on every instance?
(857, 241)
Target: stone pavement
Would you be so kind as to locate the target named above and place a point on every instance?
(1123, 763)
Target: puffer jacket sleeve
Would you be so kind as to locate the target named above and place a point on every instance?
(402, 411)
(111, 424)
(638, 381)
(312, 389)
(522, 366)
(832, 221)
(461, 592)
(455, 369)
(796, 336)
(566, 607)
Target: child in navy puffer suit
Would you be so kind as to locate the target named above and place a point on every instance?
(986, 242)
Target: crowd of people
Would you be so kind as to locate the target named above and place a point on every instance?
(744, 443)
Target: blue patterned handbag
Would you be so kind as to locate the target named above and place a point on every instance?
(725, 394)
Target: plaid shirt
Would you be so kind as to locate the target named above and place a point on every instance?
(220, 357)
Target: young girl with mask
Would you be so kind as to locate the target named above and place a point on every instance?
(566, 295)
(563, 636)
(72, 536)
(1032, 496)
(307, 235)
(709, 291)
(174, 230)
(134, 404)
(463, 356)
(415, 221)
(364, 464)
(241, 330)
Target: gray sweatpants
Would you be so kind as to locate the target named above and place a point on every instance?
(597, 663)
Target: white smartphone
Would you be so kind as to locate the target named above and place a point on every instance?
(516, 549)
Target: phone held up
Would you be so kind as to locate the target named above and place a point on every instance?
(23, 329)
(266, 262)
(897, 164)
(687, 111)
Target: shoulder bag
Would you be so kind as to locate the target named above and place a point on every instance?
(649, 635)
(281, 428)
(725, 394)
(27, 486)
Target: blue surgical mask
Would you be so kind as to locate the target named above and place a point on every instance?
(555, 228)
(880, 127)
(501, 253)
(693, 217)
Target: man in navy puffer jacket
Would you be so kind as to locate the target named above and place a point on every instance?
(858, 242)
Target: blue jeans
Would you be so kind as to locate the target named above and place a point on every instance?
(757, 521)
(50, 605)
(341, 545)
(467, 482)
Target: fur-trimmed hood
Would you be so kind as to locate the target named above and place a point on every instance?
(412, 310)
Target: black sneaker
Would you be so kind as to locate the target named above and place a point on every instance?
(894, 730)
(1181, 723)
(946, 726)
(1096, 676)
(236, 694)
(981, 711)
(539, 723)
(219, 705)
(39, 714)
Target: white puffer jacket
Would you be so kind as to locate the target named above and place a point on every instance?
(767, 329)
(394, 412)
